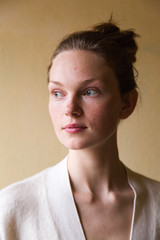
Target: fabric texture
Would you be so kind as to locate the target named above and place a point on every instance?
(42, 207)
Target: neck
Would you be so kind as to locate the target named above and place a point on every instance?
(95, 169)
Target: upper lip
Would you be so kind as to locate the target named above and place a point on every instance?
(74, 125)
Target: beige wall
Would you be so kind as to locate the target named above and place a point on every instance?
(29, 31)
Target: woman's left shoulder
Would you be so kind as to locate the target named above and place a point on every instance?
(144, 184)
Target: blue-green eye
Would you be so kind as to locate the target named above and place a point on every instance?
(90, 92)
(58, 94)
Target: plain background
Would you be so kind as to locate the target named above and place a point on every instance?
(29, 32)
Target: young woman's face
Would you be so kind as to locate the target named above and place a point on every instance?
(85, 102)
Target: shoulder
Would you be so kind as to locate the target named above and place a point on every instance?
(144, 185)
(24, 209)
(141, 178)
(18, 198)
(23, 185)
(28, 192)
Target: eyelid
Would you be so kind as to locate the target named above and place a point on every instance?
(52, 88)
(58, 90)
(53, 85)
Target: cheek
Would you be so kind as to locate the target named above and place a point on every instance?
(99, 110)
(50, 108)
(54, 113)
(106, 114)
(97, 115)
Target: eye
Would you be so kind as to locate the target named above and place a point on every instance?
(57, 94)
(90, 92)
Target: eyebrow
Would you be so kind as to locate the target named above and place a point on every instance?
(85, 82)
(56, 83)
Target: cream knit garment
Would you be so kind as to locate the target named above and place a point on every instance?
(42, 208)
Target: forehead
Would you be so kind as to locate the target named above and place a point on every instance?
(78, 62)
(77, 57)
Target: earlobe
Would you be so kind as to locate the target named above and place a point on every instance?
(129, 103)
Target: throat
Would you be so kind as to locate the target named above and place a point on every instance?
(97, 180)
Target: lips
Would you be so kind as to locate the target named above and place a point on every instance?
(74, 128)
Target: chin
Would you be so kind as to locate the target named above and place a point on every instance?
(74, 145)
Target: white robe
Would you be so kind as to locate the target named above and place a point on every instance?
(42, 207)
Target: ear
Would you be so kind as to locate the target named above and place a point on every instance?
(129, 103)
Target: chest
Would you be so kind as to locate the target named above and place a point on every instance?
(111, 221)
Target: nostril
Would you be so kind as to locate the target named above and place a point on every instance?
(76, 111)
(72, 107)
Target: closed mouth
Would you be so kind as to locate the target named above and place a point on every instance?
(70, 126)
(74, 128)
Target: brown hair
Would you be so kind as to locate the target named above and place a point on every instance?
(117, 47)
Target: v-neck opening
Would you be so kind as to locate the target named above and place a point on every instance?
(133, 207)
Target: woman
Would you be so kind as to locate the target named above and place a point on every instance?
(90, 194)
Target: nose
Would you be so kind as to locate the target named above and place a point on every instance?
(73, 108)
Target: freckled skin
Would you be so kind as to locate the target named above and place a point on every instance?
(99, 114)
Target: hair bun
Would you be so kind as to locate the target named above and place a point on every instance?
(124, 39)
(106, 28)
(127, 40)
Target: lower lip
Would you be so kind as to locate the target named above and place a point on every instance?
(75, 130)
